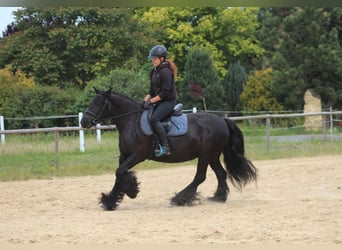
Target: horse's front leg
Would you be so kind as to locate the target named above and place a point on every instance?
(126, 183)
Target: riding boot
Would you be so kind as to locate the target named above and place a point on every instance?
(164, 148)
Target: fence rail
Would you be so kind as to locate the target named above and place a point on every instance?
(328, 115)
(54, 129)
(268, 118)
(325, 113)
(57, 130)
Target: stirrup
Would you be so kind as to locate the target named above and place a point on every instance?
(160, 151)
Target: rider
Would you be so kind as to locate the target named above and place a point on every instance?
(162, 94)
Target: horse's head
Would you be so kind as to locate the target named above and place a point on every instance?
(99, 108)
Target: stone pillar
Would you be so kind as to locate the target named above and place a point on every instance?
(312, 104)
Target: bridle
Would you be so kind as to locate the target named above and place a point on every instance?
(107, 103)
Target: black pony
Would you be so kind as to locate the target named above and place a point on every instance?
(208, 136)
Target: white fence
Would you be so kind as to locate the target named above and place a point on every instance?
(327, 116)
(57, 130)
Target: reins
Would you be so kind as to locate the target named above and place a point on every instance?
(110, 108)
(123, 114)
(120, 115)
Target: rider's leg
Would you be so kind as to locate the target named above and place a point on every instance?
(160, 113)
(160, 132)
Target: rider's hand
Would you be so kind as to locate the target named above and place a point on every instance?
(147, 105)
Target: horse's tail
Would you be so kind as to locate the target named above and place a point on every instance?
(240, 169)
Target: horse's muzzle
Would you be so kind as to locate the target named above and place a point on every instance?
(86, 122)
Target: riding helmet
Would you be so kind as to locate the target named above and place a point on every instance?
(158, 51)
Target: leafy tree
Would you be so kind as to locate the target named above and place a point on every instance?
(45, 101)
(233, 85)
(256, 95)
(10, 30)
(60, 45)
(234, 36)
(227, 34)
(124, 81)
(21, 97)
(10, 87)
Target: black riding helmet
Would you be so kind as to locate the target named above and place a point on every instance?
(158, 51)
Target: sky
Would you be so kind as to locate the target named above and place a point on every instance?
(6, 17)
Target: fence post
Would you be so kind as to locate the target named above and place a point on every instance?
(2, 128)
(324, 128)
(56, 141)
(268, 132)
(331, 123)
(82, 147)
(98, 132)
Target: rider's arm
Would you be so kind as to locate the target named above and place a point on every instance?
(155, 99)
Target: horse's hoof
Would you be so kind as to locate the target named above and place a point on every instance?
(176, 201)
(181, 200)
(221, 199)
(103, 206)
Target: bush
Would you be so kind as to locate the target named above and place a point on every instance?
(123, 81)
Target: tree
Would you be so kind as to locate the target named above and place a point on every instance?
(10, 30)
(307, 55)
(227, 34)
(10, 88)
(233, 85)
(45, 101)
(121, 80)
(270, 20)
(21, 97)
(60, 45)
(199, 71)
(256, 95)
(234, 36)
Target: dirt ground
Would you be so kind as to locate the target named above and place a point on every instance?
(295, 201)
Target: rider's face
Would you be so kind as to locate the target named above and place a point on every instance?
(156, 61)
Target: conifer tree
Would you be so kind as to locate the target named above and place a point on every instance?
(233, 84)
(200, 81)
(305, 49)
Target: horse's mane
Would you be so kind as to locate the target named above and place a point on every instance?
(124, 96)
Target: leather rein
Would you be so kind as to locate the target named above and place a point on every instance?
(110, 108)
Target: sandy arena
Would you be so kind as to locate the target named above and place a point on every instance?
(295, 201)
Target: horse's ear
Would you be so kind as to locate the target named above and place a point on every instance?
(109, 91)
(96, 90)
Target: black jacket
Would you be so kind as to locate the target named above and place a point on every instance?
(162, 82)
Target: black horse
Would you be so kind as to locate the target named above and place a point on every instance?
(208, 136)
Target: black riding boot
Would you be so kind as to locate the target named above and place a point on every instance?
(164, 148)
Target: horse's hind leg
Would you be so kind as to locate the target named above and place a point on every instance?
(222, 190)
(188, 194)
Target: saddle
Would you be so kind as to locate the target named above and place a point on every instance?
(175, 124)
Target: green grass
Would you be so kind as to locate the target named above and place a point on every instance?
(32, 156)
(256, 148)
